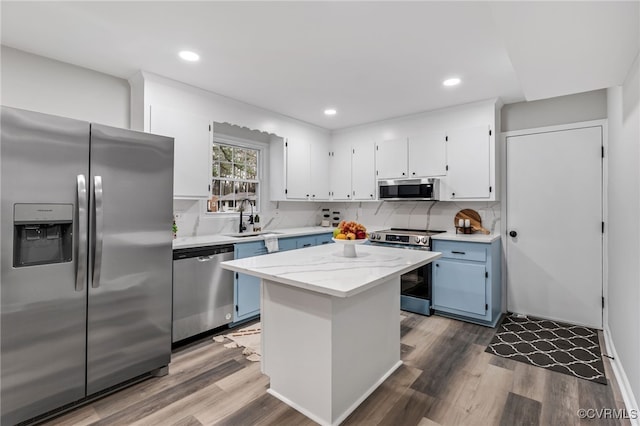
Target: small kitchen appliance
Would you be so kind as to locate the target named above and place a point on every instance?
(425, 189)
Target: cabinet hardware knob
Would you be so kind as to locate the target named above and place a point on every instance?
(513, 234)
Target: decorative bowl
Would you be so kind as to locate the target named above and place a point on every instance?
(349, 249)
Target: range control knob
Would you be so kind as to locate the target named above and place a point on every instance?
(378, 236)
(417, 240)
(424, 240)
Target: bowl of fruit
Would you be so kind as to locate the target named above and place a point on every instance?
(349, 234)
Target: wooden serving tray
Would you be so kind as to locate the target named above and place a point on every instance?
(474, 219)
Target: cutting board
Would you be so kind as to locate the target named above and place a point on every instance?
(474, 219)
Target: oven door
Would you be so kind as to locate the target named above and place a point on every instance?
(415, 290)
(415, 285)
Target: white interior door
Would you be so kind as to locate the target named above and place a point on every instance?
(554, 209)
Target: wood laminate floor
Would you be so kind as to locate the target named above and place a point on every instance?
(447, 379)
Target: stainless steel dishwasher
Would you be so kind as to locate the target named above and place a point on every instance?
(202, 290)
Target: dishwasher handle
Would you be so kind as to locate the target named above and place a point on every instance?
(203, 254)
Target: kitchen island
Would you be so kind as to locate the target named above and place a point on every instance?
(330, 324)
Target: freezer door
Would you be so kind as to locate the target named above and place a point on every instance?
(43, 312)
(129, 306)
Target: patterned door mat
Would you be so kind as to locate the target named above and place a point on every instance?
(565, 348)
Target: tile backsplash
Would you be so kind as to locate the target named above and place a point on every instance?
(192, 221)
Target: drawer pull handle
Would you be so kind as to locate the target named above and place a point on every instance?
(458, 252)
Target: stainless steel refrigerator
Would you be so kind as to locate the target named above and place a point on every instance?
(85, 257)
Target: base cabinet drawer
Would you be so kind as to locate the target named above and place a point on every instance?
(467, 281)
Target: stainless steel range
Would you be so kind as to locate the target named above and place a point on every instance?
(415, 286)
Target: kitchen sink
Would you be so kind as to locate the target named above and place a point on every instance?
(250, 234)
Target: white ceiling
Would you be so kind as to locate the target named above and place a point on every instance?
(369, 60)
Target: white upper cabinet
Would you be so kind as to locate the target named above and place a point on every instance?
(391, 158)
(470, 164)
(363, 175)
(192, 150)
(420, 155)
(352, 171)
(299, 170)
(428, 154)
(340, 171)
(319, 171)
(298, 176)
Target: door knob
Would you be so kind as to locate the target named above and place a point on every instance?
(513, 234)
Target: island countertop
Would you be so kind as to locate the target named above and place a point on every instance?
(324, 269)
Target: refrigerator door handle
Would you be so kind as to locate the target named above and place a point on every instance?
(81, 242)
(99, 225)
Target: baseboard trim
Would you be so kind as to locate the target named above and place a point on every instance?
(625, 387)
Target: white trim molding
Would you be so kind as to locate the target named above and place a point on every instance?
(621, 377)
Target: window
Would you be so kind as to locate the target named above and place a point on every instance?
(235, 177)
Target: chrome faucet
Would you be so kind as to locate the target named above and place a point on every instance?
(241, 226)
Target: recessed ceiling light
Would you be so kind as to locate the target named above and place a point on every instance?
(187, 55)
(451, 82)
(330, 111)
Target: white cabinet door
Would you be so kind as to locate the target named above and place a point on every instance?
(363, 171)
(340, 171)
(319, 169)
(391, 158)
(192, 150)
(298, 174)
(428, 155)
(468, 151)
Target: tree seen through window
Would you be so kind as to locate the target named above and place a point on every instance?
(234, 177)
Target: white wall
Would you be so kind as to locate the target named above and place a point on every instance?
(149, 89)
(40, 84)
(550, 112)
(623, 236)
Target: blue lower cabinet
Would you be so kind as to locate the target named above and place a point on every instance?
(285, 244)
(246, 296)
(467, 281)
(324, 239)
(307, 241)
(246, 287)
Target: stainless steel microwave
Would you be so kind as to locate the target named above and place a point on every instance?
(424, 189)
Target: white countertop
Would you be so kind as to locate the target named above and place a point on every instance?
(218, 239)
(324, 269)
(471, 238)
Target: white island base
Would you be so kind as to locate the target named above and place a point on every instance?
(325, 354)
